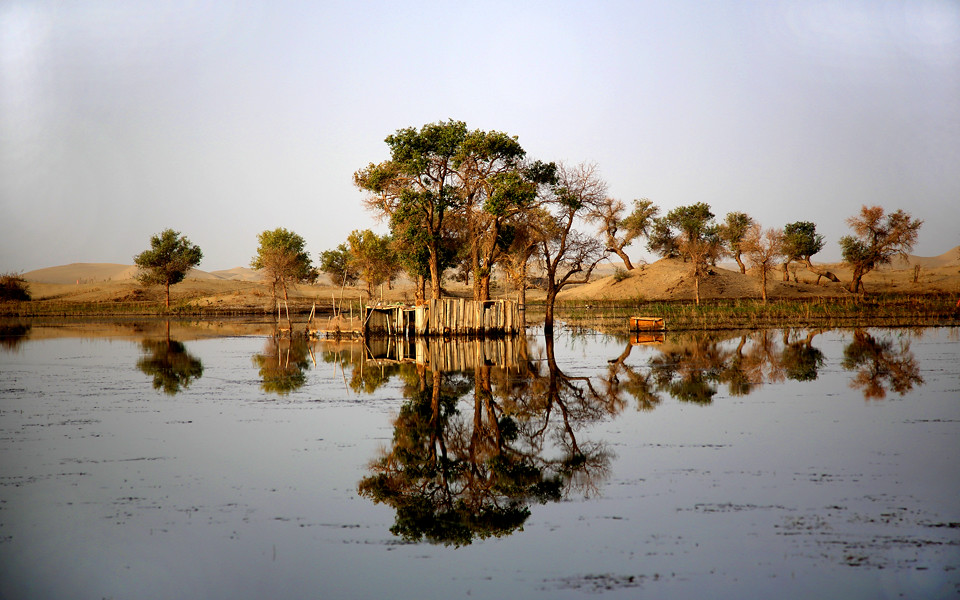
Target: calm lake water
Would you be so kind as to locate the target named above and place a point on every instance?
(216, 462)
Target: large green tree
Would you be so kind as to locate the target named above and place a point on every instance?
(283, 258)
(419, 185)
(878, 238)
(167, 262)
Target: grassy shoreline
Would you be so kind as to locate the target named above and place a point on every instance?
(889, 310)
(880, 310)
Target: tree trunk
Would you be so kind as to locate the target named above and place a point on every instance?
(421, 293)
(168, 294)
(763, 285)
(696, 287)
(743, 267)
(786, 270)
(820, 272)
(434, 275)
(482, 289)
(548, 312)
(626, 259)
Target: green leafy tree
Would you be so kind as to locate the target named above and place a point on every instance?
(878, 238)
(800, 242)
(662, 240)
(419, 185)
(283, 258)
(496, 192)
(695, 236)
(620, 229)
(373, 257)
(167, 262)
(733, 231)
(338, 264)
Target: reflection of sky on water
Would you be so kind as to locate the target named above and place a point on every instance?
(112, 488)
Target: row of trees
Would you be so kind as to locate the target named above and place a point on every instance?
(472, 201)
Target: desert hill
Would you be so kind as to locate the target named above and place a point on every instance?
(666, 279)
(103, 272)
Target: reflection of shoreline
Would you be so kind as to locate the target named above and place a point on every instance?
(138, 328)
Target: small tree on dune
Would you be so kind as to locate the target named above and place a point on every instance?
(763, 249)
(620, 229)
(733, 231)
(167, 262)
(283, 258)
(879, 237)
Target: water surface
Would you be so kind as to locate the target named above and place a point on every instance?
(794, 464)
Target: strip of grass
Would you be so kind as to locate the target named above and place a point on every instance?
(888, 310)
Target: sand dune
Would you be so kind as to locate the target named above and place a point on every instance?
(102, 272)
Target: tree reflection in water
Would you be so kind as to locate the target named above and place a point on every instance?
(880, 364)
(282, 365)
(472, 450)
(169, 363)
(463, 466)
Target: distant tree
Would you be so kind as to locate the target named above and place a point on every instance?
(697, 238)
(167, 262)
(763, 249)
(877, 239)
(282, 256)
(733, 231)
(13, 287)
(564, 252)
(337, 263)
(620, 229)
(373, 258)
(800, 242)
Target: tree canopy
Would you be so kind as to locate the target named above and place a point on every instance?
(167, 262)
(878, 238)
(283, 258)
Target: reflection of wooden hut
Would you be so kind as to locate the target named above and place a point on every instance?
(444, 317)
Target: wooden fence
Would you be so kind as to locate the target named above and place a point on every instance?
(444, 317)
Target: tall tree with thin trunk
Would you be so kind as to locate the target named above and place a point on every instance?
(763, 249)
(566, 255)
(282, 257)
(697, 238)
(732, 232)
(167, 262)
(878, 238)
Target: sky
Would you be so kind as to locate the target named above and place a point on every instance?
(119, 119)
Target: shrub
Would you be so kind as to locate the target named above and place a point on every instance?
(620, 274)
(13, 287)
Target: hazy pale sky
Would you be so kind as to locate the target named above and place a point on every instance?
(222, 119)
